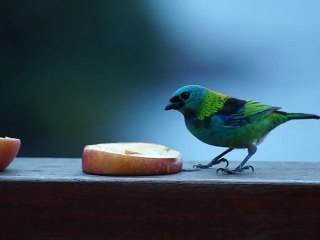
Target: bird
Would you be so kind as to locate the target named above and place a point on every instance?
(225, 121)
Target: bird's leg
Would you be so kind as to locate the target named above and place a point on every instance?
(218, 159)
(251, 151)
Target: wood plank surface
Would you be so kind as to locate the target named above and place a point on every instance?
(44, 198)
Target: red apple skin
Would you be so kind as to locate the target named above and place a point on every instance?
(106, 163)
(9, 148)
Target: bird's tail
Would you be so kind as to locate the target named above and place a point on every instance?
(292, 116)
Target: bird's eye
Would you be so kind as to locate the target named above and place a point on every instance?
(185, 95)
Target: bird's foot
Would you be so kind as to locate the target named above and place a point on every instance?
(204, 166)
(235, 171)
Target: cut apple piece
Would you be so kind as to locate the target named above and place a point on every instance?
(9, 148)
(129, 159)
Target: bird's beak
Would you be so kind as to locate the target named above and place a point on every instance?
(170, 106)
(174, 105)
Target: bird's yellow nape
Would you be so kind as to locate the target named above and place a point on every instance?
(212, 102)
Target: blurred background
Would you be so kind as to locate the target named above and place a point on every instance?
(83, 72)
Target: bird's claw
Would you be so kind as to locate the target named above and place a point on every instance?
(248, 167)
(203, 166)
(200, 166)
(235, 171)
(224, 160)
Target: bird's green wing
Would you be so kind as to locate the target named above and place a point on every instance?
(237, 113)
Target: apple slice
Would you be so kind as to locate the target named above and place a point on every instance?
(130, 159)
(9, 148)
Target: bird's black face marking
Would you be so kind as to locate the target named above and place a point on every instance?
(175, 102)
(175, 99)
(185, 95)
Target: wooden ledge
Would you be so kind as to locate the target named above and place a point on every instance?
(48, 198)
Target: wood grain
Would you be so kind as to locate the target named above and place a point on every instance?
(189, 205)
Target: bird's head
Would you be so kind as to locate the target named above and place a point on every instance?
(187, 99)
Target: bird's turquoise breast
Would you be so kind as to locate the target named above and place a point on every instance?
(209, 130)
(213, 131)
